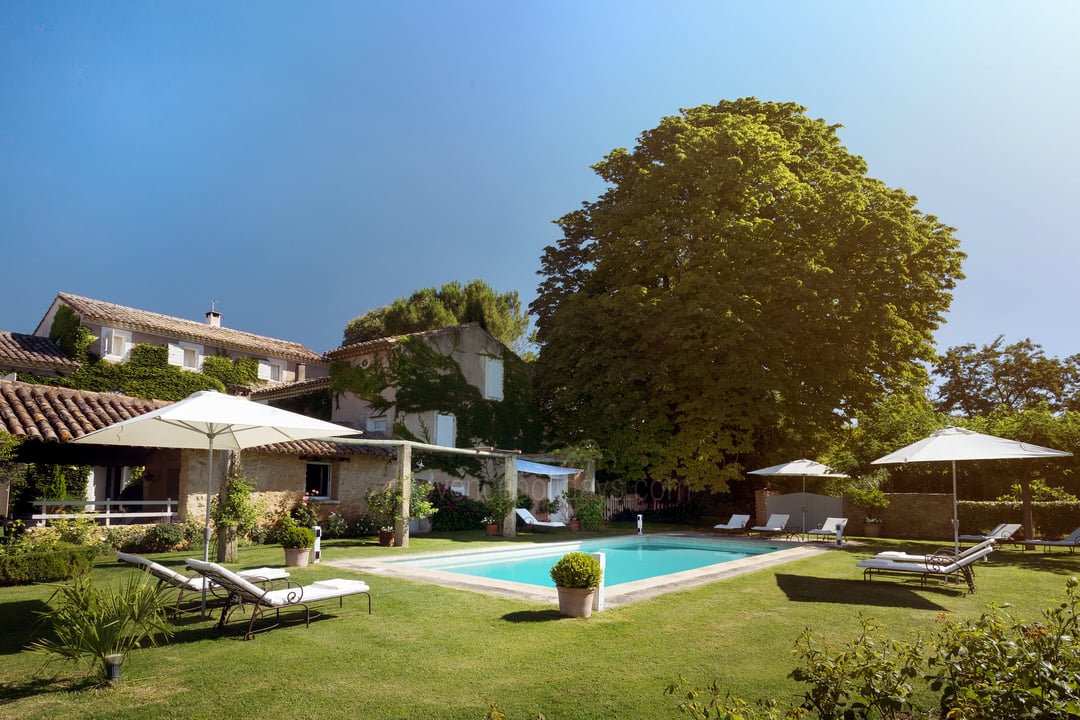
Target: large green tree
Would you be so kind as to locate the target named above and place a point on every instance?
(741, 281)
(500, 314)
(977, 381)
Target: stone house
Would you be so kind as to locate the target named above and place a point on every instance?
(117, 329)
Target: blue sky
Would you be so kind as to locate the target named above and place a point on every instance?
(302, 163)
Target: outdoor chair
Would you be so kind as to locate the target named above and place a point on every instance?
(946, 565)
(1070, 541)
(1002, 533)
(244, 593)
(828, 529)
(531, 521)
(186, 585)
(736, 524)
(775, 525)
(899, 556)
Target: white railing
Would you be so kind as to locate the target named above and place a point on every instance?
(107, 511)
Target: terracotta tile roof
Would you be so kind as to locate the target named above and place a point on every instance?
(32, 351)
(281, 391)
(55, 414)
(125, 318)
(381, 344)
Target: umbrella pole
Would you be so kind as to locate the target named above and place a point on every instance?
(803, 529)
(955, 520)
(206, 528)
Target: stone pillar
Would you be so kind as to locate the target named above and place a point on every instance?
(404, 480)
(509, 528)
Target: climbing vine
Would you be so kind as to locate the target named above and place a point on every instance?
(147, 373)
(428, 380)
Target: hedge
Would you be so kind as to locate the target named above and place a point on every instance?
(60, 562)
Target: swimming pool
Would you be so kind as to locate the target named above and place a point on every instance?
(449, 569)
(639, 557)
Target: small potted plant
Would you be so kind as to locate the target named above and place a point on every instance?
(490, 526)
(499, 503)
(546, 508)
(297, 541)
(576, 576)
(871, 501)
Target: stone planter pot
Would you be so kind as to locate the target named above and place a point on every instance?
(297, 557)
(576, 602)
(386, 538)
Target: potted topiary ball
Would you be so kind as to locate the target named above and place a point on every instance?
(297, 541)
(576, 576)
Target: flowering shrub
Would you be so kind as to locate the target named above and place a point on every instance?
(455, 511)
(305, 512)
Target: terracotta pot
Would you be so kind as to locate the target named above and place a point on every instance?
(386, 538)
(575, 525)
(491, 529)
(576, 602)
(297, 557)
(871, 529)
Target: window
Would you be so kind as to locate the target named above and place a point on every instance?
(272, 370)
(376, 424)
(493, 378)
(186, 355)
(115, 344)
(317, 484)
(445, 430)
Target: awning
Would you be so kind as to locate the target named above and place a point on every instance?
(527, 466)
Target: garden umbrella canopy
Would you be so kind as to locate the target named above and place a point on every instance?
(214, 421)
(953, 443)
(805, 468)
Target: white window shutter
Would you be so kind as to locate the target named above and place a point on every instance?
(445, 430)
(176, 355)
(493, 379)
(264, 370)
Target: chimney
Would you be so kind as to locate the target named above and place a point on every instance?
(213, 317)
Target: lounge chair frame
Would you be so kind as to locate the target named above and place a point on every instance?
(243, 593)
(737, 524)
(530, 520)
(1071, 541)
(827, 531)
(775, 525)
(940, 563)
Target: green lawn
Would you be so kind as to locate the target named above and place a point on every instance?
(433, 652)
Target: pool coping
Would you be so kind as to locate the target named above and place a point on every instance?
(614, 595)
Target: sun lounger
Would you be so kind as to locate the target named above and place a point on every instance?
(828, 529)
(896, 555)
(532, 522)
(947, 566)
(775, 525)
(737, 523)
(1002, 533)
(186, 585)
(244, 593)
(1070, 541)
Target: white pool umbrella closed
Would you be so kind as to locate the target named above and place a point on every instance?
(795, 468)
(214, 421)
(953, 444)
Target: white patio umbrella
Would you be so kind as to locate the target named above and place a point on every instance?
(805, 468)
(214, 421)
(953, 443)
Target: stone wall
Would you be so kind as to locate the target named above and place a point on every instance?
(279, 481)
(915, 516)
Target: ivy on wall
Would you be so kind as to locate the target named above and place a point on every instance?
(147, 373)
(428, 380)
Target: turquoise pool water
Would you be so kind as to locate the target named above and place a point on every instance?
(638, 557)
